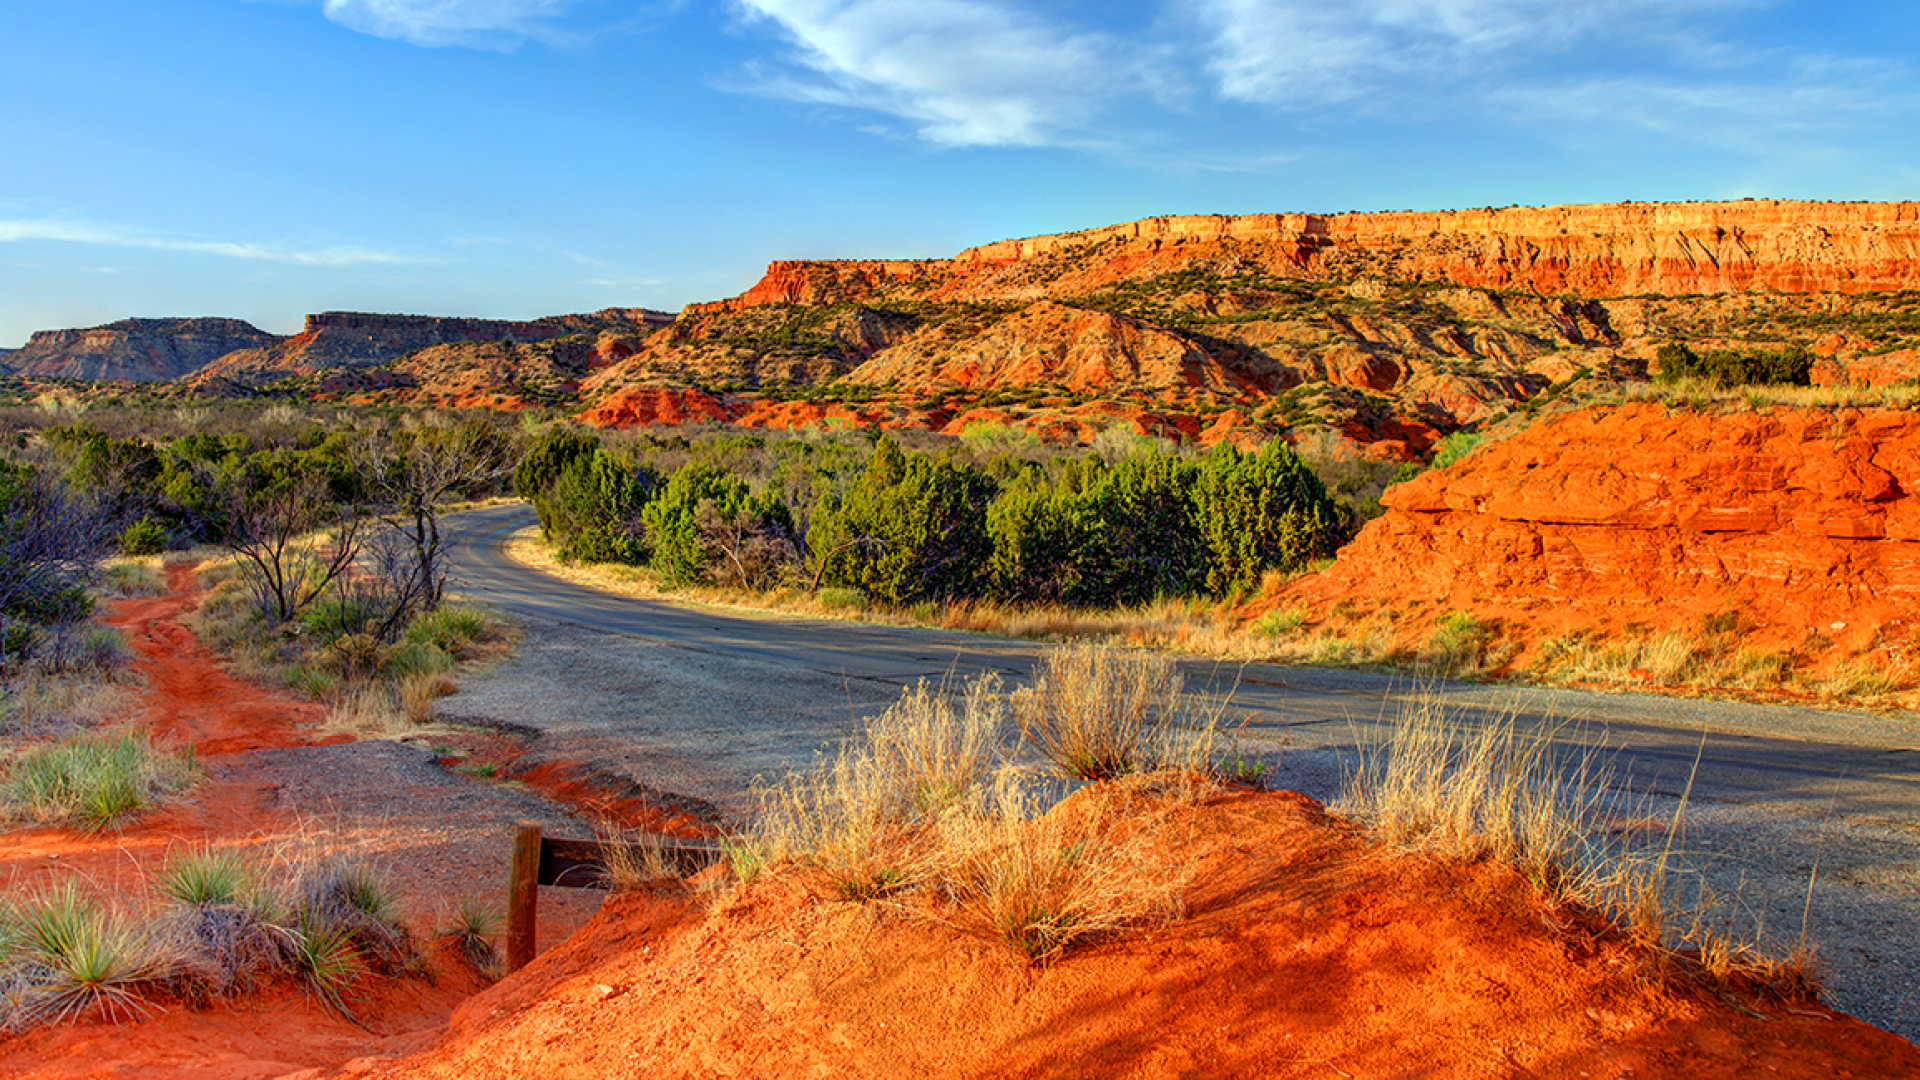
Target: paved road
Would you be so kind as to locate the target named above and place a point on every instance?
(699, 702)
(1853, 763)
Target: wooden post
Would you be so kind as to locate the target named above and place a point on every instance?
(523, 895)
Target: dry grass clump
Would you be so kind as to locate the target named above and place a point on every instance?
(1496, 792)
(849, 821)
(926, 802)
(1042, 879)
(1098, 713)
(1703, 394)
(419, 692)
(635, 859)
(36, 701)
(1504, 793)
(1719, 656)
(134, 577)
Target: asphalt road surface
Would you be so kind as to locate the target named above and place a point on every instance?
(701, 701)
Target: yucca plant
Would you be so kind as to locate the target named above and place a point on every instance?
(81, 957)
(206, 876)
(470, 932)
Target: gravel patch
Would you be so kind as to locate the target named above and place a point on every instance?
(683, 722)
(436, 833)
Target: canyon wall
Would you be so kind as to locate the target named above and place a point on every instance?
(144, 350)
(336, 339)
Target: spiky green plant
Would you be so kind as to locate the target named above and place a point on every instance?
(83, 957)
(206, 876)
(470, 932)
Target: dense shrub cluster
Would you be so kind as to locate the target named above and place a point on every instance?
(906, 526)
(1734, 367)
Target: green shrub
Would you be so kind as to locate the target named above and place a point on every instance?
(1259, 512)
(1734, 367)
(1456, 446)
(144, 537)
(694, 517)
(911, 528)
(593, 508)
(449, 628)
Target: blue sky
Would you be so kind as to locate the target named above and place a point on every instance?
(514, 158)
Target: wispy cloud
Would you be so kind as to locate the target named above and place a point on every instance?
(479, 24)
(17, 230)
(1306, 53)
(961, 72)
(1805, 105)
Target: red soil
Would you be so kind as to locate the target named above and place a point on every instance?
(1800, 524)
(188, 699)
(1303, 951)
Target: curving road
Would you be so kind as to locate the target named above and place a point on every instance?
(1855, 763)
(715, 698)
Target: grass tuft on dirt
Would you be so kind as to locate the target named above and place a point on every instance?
(92, 778)
(933, 804)
(1548, 806)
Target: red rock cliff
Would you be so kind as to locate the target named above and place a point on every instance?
(1604, 250)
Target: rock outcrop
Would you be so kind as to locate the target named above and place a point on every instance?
(1800, 524)
(1363, 323)
(142, 350)
(351, 339)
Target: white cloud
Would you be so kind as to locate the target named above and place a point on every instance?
(962, 72)
(17, 230)
(1309, 52)
(484, 24)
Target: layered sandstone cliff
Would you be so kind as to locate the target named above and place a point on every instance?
(1598, 251)
(1800, 525)
(143, 350)
(1376, 325)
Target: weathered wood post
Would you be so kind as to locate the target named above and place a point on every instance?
(523, 895)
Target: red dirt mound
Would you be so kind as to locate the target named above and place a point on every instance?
(1803, 524)
(1303, 951)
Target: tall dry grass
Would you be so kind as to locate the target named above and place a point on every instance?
(1097, 713)
(1042, 878)
(1549, 805)
(930, 800)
